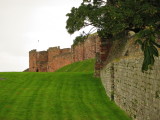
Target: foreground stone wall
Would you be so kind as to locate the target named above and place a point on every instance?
(136, 92)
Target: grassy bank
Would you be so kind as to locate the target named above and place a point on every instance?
(55, 96)
(82, 66)
(73, 95)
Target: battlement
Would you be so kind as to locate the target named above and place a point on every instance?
(42, 52)
(54, 48)
(55, 57)
(65, 50)
(34, 50)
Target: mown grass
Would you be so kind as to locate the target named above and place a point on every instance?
(56, 96)
(82, 66)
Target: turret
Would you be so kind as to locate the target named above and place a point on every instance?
(32, 60)
(53, 51)
(42, 61)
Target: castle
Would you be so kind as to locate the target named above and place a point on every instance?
(55, 58)
(118, 64)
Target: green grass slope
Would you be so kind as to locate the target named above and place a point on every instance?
(82, 66)
(55, 96)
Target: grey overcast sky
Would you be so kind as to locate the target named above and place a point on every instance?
(24, 22)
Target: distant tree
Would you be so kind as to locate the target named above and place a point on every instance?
(113, 17)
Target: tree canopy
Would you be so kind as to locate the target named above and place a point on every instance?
(113, 17)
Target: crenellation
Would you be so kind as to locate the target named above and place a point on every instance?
(41, 61)
(55, 57)
(34, 50)
(54, 48)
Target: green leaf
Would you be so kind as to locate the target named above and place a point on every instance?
(117, 17)
(157, 45)
(154, 51)
(138, 41)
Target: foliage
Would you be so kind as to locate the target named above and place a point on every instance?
(82, 37)
(79, 39)
(114, 17)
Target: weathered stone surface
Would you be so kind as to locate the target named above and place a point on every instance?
(136, 92)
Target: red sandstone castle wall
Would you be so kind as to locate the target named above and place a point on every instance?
(59, 61)
(91, 46)
(53, 51)
(65, 50)
(42, 61)
(87, 49)
(78, 52)
(32, 60)
(55, 58)
(58, 58)
(38, 61)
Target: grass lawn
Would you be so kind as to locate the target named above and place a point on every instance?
(71, 93)
(83, 66)
(55, 96)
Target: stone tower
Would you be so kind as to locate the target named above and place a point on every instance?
(38, 61)
(32, 60)
(42, 61)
